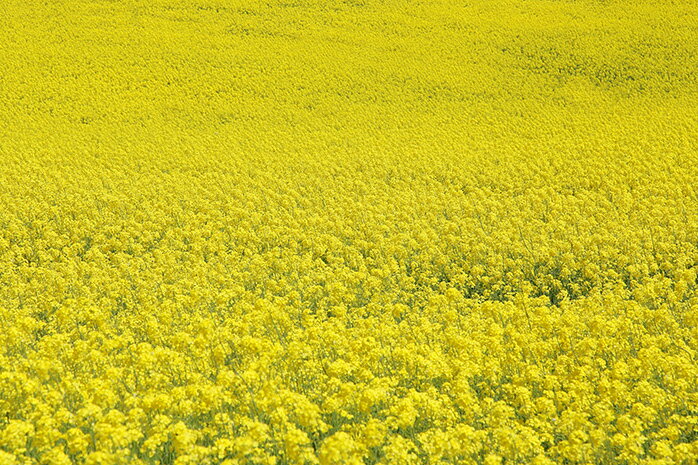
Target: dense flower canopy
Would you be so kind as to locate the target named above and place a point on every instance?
(349, 232)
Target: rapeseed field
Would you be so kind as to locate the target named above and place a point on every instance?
(312, 232)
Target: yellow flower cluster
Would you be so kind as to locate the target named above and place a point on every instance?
(349, 232)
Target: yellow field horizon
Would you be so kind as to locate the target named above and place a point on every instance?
(353, 232)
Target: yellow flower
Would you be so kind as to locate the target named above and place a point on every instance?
(340, 448)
